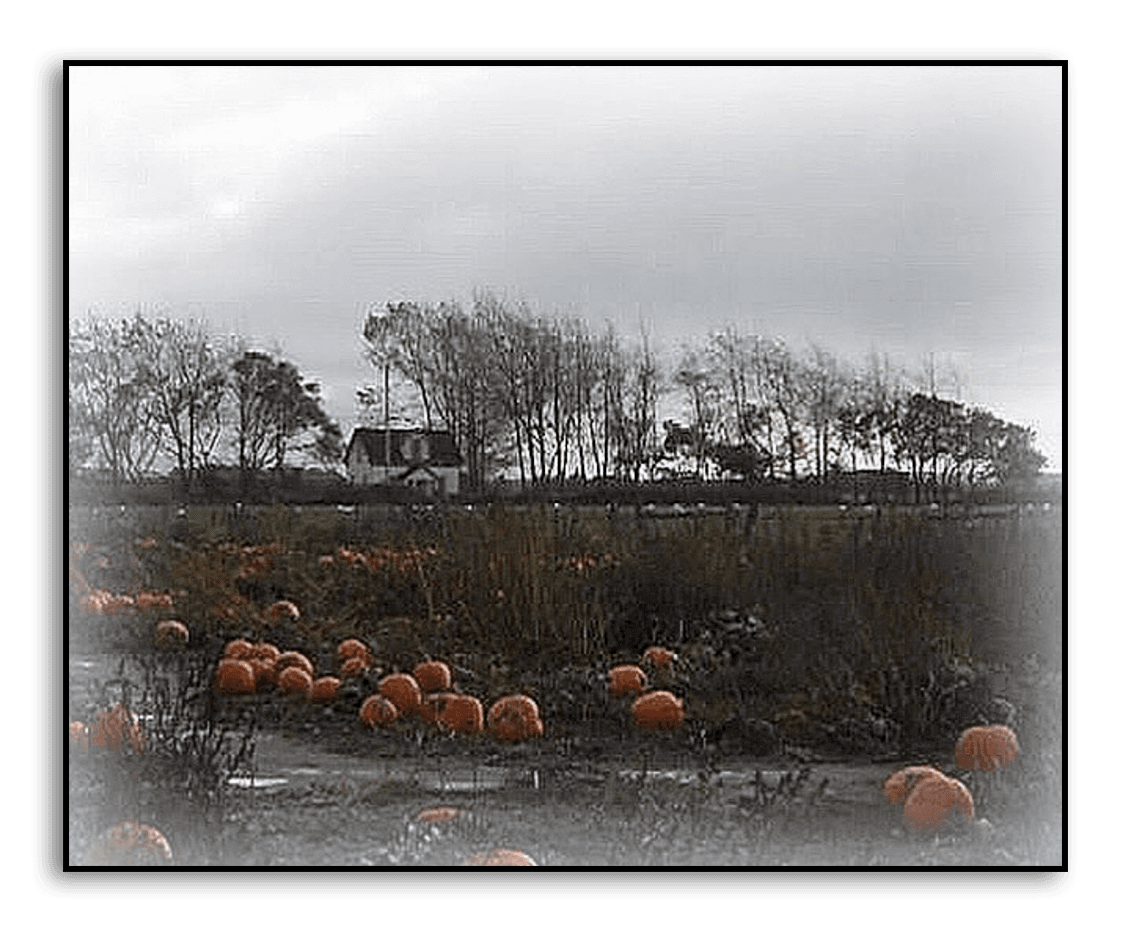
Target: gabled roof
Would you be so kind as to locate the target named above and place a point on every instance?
(442, 451)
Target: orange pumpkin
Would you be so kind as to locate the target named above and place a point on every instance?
(282, 611)
(264, 672)
(934, 801)
(401, 689)
(499, 858)
(295, 682)
(433, 705)
(80, 737)
(438, 814)
(626, 680)
(899, 785)
(325, 690)
(514, 718)
(147, 600)
(294, 658)
(170, 635)
(352, 668)
(239, 649)
(114, 729)
(981, 748)
(234, 677)
(129, 843)
(433, 676)
(265, 651)
(94, 602)
(658, 711)
(461, 714)
(119, 604)
(658, 657)
(377, 712)
(353, 649)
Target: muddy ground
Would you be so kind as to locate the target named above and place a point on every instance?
(322, 792)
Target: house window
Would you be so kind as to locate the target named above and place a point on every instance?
(416, 449)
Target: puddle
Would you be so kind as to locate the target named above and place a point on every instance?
(257, 783)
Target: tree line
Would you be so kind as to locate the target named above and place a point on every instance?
(548, 399)
(141, 390)
(545, 399)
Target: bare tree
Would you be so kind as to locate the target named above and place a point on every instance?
(112, 413)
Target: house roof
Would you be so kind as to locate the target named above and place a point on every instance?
(442, 451)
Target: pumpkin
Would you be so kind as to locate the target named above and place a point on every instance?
(80, 737)
(989, 748)
(501, 858)
(114, 729)
(935, 800)
(433, 676)
(234, 677)
(295, 682)
(433, 705)
(325, 690)
(353, 649)
(147, 600)
(94, 602)
(377, 712)
(514, 718)
(119, 604)
(239, 649)
(461, 714)
(171, 635)
(294, 658)
(438, 814)
(129, 843)
(264, 672)
(401, 689)
(626, 680)
(658, 657)
(282, 611)
(265, 651)
(352, 668)
(899, 785)
(658, 711)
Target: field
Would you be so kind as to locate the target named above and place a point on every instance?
(819, 649)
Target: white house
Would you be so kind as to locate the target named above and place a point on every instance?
(405, 457)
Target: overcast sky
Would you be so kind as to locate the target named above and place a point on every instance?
(911, 209)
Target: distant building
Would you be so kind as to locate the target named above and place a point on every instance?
(412, 457)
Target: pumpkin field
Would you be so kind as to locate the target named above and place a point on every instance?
(547, 685)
